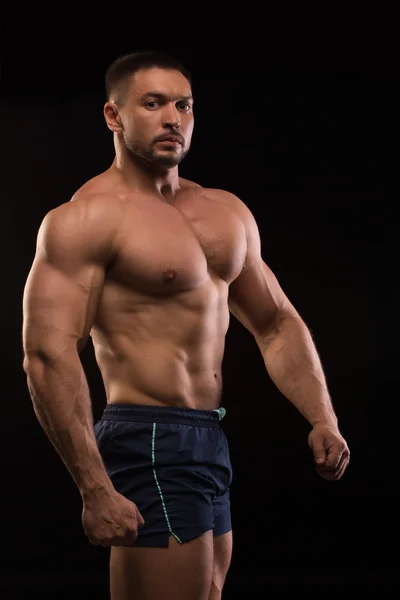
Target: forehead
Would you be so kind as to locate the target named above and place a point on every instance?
(170, 82)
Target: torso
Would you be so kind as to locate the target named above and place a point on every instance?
(159, 332)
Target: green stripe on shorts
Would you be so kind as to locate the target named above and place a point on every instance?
(153, 456)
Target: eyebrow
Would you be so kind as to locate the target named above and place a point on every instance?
(162, 96)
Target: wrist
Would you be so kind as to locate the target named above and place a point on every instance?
(94, 492)
(325, 421)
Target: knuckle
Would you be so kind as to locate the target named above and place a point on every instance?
(132, 535)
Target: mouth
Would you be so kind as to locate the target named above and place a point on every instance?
(172, 140)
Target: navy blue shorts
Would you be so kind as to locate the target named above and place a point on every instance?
(173, 463)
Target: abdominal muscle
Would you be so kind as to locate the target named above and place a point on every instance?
(164, 351)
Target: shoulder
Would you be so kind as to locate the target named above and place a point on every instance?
(89, 222)
(95, 207)
(230, 201)
(99, 194)
(186, 183)
(223, 196)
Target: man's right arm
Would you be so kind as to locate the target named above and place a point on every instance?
(61, 295)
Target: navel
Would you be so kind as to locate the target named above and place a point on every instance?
(169, 276)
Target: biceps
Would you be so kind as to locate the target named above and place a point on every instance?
(257, 300)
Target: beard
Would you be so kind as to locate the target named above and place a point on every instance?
(164, 160)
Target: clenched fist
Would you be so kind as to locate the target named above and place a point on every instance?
(110, 519)
(331, 453)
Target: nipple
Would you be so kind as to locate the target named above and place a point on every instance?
(169, 276)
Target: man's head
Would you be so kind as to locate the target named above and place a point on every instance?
(150, 104)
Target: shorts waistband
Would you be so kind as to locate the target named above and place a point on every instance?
(163, 414)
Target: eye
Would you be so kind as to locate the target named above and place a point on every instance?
(185, 106)
(152, 104)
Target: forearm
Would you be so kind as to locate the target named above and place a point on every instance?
(61, 401)
(293, 363)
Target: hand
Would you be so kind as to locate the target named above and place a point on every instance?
(111, 519)
(330, 450)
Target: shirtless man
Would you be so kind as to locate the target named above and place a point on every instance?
(150, 266)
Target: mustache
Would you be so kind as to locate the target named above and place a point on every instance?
(163, 137)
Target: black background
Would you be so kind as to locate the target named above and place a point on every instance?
(312, 153)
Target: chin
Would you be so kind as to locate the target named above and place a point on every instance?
(169, 160)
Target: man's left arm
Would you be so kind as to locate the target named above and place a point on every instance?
(257, 300)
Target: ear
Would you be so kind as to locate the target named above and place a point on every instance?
(112, 117)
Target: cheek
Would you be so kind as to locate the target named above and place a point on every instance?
(188, 127)
(143, 126)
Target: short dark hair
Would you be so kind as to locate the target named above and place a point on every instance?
(121, 70)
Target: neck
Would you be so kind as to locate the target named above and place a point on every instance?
(139, 174)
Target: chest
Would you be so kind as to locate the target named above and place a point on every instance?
(166, 249)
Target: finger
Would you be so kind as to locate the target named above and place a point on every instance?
(331, 475)
(129, 542)
(126, 540)
(130, 538)
(124, 543)
(336, 453)
(342, 468)
(336, 470)
(333, 459)
(317, 446)
(327, 473)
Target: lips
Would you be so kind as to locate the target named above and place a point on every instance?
(171, 138)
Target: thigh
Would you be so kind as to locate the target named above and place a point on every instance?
(223, 545)
(179, 572)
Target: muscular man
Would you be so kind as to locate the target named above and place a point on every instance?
(151, 265)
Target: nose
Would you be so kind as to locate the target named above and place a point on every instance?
(171, 117)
